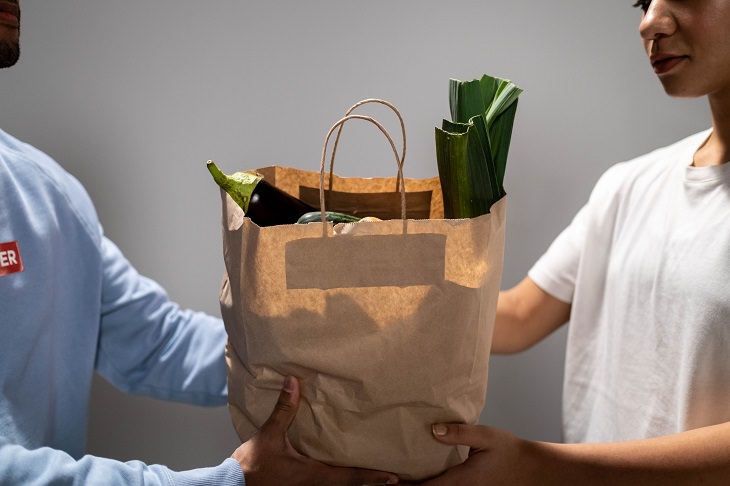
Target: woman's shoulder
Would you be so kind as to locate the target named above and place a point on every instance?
(679, 153)
(655, 163)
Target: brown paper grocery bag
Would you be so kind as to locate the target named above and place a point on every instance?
(387, 324)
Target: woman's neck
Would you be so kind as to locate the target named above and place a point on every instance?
(716, 150)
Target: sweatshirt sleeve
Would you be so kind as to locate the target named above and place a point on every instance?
(150, 346)
(44, 465)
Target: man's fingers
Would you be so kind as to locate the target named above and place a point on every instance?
(361, 477)
(286, 407)
(475, 436)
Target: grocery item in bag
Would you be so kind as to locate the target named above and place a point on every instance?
(387, 324)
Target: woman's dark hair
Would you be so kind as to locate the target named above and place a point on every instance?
(644, 4)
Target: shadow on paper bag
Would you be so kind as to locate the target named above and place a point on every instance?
(388, 331)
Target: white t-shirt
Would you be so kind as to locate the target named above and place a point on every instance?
(646, 266)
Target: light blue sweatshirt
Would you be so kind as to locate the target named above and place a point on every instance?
(71, 303)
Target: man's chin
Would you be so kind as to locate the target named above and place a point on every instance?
(9, 54)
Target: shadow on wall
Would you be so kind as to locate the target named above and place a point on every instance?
(156, 432)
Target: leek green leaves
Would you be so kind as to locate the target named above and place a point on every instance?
(471, 149)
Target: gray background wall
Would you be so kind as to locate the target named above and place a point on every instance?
(133, 97)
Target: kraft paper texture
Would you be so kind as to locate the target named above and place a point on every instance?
(388, 332)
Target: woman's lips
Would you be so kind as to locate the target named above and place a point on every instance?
(666, 62)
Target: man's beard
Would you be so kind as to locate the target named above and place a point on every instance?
(9, 53)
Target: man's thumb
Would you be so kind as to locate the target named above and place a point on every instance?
(286, 406)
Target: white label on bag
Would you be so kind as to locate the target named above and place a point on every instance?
(365, 261)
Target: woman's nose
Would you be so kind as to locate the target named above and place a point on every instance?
(658, 21)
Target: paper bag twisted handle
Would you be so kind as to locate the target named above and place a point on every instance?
(398, 160)
(353, 108)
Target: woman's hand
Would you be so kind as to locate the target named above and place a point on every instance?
(496, 457)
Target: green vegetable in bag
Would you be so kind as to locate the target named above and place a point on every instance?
(472, 148)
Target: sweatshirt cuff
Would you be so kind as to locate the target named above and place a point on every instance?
(228, 473)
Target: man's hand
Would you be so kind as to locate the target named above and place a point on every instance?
(268, 459)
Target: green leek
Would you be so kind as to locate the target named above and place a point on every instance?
(472, 148)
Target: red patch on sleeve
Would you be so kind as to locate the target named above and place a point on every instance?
(10, 261)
